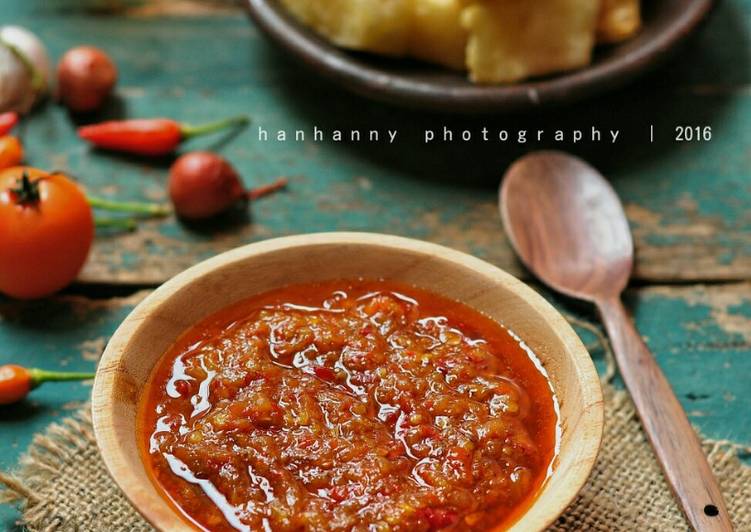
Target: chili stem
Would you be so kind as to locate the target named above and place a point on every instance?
(190, 131)
(40, 376)
(127, 224)
(265, 190)
(154, 209)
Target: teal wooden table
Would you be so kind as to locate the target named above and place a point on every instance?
(689, 203)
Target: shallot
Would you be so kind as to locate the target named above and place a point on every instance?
(203, 185)
(85, 78)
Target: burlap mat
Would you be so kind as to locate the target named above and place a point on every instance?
(63, 485)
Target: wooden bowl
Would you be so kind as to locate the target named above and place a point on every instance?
(157, 322)
(667, 24)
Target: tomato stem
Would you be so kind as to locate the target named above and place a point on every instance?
(189, 131)
(265, 190)
(40, 376)
(153, 209)
(126, 224)
(26, 191)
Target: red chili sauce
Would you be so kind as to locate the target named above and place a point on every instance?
(349, 405)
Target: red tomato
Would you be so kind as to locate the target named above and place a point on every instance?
(11, 152)
(46, 231)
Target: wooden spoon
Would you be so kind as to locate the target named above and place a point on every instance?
(568, 226)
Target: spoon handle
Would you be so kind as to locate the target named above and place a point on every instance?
(668, 429)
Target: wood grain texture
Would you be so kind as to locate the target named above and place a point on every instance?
(687, 203)
(205, 289)
(567, 224)
(569, 228)
(677, 447)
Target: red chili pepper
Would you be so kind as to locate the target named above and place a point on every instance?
(16, 382)
(339, 493)
(184, 388)
(324, 373)
(7, 122)
(152, 136)
(439, 518)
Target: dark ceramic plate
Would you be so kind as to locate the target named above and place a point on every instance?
(667, 23)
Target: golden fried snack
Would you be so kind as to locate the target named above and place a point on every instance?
(437, 33)
(498, 41)
(510, 40)
(619, 20)
(381, 26)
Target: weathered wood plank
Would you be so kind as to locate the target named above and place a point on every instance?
(64, 333)
(701, 336)
(67, 333)
(688, 204)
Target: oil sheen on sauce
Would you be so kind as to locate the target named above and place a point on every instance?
(349, 405)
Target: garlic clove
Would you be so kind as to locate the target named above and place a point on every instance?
(16, 92)
(25, 69)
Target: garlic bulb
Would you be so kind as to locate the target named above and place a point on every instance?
(25, 69)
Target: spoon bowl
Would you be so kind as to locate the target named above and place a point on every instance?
(566, 202)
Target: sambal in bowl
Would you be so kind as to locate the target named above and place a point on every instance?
(347, 381)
